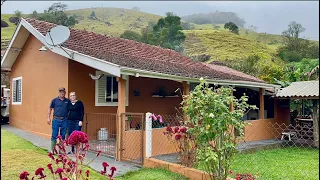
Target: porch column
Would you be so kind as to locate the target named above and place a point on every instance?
(186, 91)
(275, 109)
(261, 109)
(121, 109)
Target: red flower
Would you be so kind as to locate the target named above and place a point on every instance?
(51, 155)
(183, 129)
(169, 129)
(105, 165)
(177, 136)
(230, 172)
(113, 169)
(86, 147)
(87, 173)
(77, 137)
(24, 175)
(50, 168)
(39, 172)
(64, 179)
(103, 172)
(98, 154)
(59, 171)
(176, 129)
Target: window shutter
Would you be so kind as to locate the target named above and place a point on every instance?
(102, 89)
(14, 93)
(19, 93)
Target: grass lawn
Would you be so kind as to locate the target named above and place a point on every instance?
(19, 155)
(287, 163)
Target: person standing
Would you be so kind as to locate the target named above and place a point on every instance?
(76, 114)
(60, 107)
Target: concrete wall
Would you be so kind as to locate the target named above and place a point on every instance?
(42, 74)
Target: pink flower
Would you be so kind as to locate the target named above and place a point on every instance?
(230, 172)
(153, 116)
(169, 129)
(77, 137)
(64, 179)
(160, 118)
(39, 172)
(59, 171)
(24, 175)
(105, 165)
(176, 129)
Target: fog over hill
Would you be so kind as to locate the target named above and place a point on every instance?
(269, 16)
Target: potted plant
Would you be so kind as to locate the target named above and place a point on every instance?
(128, 122)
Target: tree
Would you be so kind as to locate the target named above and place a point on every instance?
(168, 33)
(55, 14)
(93, 16)
(18, 13)
(34, 14)
(232, 27)
(292, 38)
(212, 114)
(132, 35)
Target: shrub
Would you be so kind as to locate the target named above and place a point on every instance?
(212, 122)
(4, 24)
(66, 168)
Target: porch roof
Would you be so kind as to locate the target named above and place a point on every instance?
(134, 57)
(302, 89)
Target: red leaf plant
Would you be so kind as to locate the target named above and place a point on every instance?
(186, 143)
(69, 167)
(245, 177)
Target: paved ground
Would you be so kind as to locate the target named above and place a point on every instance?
(122, 167)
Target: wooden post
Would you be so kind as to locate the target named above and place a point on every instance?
(261, 103)
(121, 109)
(315, 116)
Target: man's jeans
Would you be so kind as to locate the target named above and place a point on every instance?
(73, 125)
(56, 125)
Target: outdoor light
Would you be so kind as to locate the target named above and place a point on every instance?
(43, 49)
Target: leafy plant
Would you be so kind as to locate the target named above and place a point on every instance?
(209, 112)
(66, 168)
(186, 143)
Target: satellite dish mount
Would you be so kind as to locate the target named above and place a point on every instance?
(57, 36)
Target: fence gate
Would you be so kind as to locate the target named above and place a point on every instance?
(106, 142)
(132, 137)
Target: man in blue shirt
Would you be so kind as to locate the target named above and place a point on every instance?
(60, 106)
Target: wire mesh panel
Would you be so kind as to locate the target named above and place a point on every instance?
(132, 137)
(277, 151)
(101, 129)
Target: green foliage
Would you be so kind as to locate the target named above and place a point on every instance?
(132, 35)
(295, 48)
(214, 18)
(232, 27)
(34, 14)
(167, 33)
(17, 13)
(208, 111)
(187, 26)
(93, 16)
(56, 14)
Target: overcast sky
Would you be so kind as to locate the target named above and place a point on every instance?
(268, 16)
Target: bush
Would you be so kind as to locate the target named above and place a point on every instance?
(292, 56)
(14, 20)
(4, 24)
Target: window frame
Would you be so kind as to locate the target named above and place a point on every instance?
(12, 99)
(109, 103)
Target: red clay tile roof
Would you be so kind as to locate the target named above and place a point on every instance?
(141, 56)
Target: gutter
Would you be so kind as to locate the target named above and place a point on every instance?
(149, 74)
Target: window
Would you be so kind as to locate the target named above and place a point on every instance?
(107, 91)
(17, 90)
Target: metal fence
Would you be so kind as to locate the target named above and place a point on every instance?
(102, 132)
(269, 150)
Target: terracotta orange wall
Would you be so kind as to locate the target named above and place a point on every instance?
(161, 144)
(42, 75)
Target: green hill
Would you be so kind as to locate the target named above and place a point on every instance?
(207, 39)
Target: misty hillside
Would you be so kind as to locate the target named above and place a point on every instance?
(206, 38)
(214, 18)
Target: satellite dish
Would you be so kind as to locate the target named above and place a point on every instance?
(57, 35)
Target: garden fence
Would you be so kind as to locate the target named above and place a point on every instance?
(269, 150)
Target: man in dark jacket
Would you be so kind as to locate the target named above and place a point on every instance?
(60, 107)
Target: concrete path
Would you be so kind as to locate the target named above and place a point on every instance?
(122, 167)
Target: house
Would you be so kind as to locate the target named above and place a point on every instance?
(135, 76)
